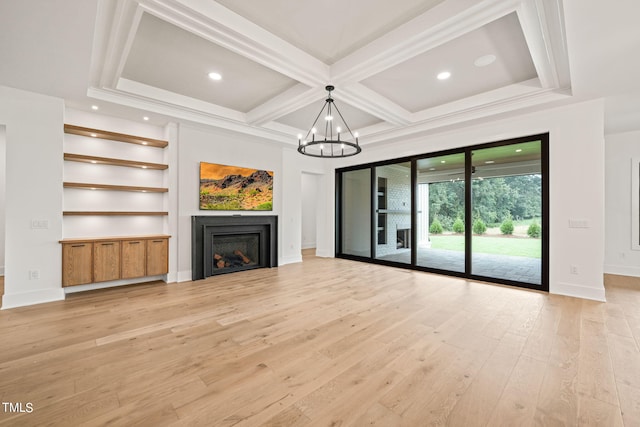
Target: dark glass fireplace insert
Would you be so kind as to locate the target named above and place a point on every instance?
(226, 244)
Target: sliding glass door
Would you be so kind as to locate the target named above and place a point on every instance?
(507, 212)
(393, 212)
(355, 205)
(441, 212)
(478, 212)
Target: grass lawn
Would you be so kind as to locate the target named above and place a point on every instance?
(525, 247)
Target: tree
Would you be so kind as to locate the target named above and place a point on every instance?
(436, 227)
(458, 226)
(479, 227)
(534, 230)
(507, 226)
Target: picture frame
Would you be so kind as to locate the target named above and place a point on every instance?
(235, 188)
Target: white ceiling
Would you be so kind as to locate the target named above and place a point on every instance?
(152, 57)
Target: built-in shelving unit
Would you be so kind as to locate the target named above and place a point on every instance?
(94, 186)
(113, 213)
(381, 226)
(97, 159)
(113, 162)
(113, 136)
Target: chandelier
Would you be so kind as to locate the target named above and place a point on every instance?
(329, 144)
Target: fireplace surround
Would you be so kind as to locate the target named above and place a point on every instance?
(226, 244)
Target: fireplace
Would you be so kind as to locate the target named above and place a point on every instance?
(226, 244)
(403, 237)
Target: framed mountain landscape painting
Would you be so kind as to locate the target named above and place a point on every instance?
(234, 188)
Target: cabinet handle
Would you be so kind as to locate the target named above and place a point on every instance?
(157, 241)
(134, 243)
(78, 246)
(106, 244)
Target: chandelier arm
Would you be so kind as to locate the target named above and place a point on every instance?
(345, 123)
(316, 120)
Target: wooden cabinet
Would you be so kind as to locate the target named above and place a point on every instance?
(106, 261)
(112, 163)
(133, 259)
(96, 260)
(157, 257)
(77, 263)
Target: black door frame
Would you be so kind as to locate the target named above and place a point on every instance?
(544, 140)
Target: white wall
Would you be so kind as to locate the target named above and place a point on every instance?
(576, 180)
(309, 201)
(3, 181)
(34, 137)
(619, 257)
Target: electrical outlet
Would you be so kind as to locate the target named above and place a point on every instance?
(34, 274)
(573, 269)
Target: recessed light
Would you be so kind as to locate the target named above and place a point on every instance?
(519, 150)
(145, 118)
(93, 135)
(443, 161)
(484, 60)
(488, 162)
(444, 75)
(144, 167)
(432, 169)
(94, 162)
(215, 76)
(94, 107)
(144, 143)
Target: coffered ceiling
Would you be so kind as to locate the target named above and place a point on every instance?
(275, 58)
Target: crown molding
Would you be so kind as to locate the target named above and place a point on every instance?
(185, 113)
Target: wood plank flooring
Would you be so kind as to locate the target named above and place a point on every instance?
(326, 342)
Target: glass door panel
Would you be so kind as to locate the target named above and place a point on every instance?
(440, 211)
(393, 212)
(356, 213)
(507, 212)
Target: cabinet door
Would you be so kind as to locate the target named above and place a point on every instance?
(133, 258)
(76, 263)
(157, 257)
(106, 261)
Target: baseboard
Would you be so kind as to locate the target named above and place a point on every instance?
(622, 270)
(578, 291)
(290, 260)
(39, 296)
(184, 276)
(308, 245)
(324, 254)
(112, 284)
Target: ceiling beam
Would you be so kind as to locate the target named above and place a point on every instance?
(542, 23)
(287, 102)
(369, 101)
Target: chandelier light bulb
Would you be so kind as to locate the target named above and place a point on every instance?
(313, 130)
(355, 134)
(299, 136)
(328, 118)
(321, 146)
(339, 129)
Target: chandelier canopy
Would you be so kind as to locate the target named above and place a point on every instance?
(332, 143)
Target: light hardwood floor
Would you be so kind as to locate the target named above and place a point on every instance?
(325, 342)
